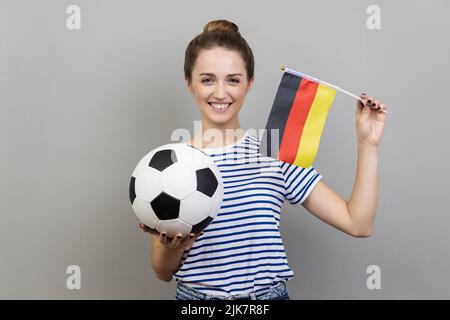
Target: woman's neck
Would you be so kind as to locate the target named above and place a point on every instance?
(216, 136)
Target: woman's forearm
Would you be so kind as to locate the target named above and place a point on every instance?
(363, 202)
(166, 261)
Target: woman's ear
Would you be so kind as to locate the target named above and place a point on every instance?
(188, 85)
(250, 84)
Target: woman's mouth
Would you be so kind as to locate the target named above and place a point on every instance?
(220, 107)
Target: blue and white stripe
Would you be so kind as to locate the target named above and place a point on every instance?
(241, 251)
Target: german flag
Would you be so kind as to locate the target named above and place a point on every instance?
(296, 120)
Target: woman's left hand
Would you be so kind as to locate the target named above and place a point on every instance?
(370, 118)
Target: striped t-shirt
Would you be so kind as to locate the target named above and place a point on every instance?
(241, 251)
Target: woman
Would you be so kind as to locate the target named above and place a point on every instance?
(240, 255)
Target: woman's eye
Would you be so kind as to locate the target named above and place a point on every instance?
(206, 80)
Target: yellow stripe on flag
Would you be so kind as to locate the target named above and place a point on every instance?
(317, 116)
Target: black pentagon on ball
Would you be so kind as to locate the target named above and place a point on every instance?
(201, 225)
(163, 159)
(206, 181)
(132, 190)
(165, 206)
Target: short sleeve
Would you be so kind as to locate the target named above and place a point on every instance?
(298, 181)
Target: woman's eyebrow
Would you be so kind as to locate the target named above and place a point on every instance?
(213, 75)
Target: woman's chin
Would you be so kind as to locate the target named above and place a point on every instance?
(220, 119)
(220, 122)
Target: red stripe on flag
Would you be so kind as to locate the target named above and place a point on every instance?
(296, 120)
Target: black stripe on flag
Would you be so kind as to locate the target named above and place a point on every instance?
(279, 114)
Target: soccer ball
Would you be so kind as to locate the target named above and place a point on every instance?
(176, 188)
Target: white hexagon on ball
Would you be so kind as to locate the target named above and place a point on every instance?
(148, 184)
(173, 226)
(179, 180)
(194, 157)
(195, 208)
(143, 164)
(145, 213)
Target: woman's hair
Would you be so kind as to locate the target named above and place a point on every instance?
(218, 33)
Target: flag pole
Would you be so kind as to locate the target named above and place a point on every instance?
(300, 74)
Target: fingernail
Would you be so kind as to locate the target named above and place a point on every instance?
(369, 101)
(178, 236)
(163, 234)
(191, 236)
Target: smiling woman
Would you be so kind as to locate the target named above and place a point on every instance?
(241, 254)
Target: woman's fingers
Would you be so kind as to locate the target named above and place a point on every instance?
(372, 103)
(163, 238)
(196, 236)
(185, 241)
(145, 228)
(366, 100)
(176, 240)
(363, 97)
(375, 104)
(191, 239)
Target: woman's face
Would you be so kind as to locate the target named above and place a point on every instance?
(219, 84)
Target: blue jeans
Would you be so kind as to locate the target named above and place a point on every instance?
(276, 292)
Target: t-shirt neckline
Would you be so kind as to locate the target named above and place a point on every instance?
(226, 147)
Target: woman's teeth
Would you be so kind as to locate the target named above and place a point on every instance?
(220, 106)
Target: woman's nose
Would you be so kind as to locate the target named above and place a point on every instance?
(220, 92)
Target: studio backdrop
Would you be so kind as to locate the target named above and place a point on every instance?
(89, 87)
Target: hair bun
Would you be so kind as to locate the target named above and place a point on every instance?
(221, 25)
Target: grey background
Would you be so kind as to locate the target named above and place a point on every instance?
(80, 108)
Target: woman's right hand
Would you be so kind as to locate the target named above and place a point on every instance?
(176, 242)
